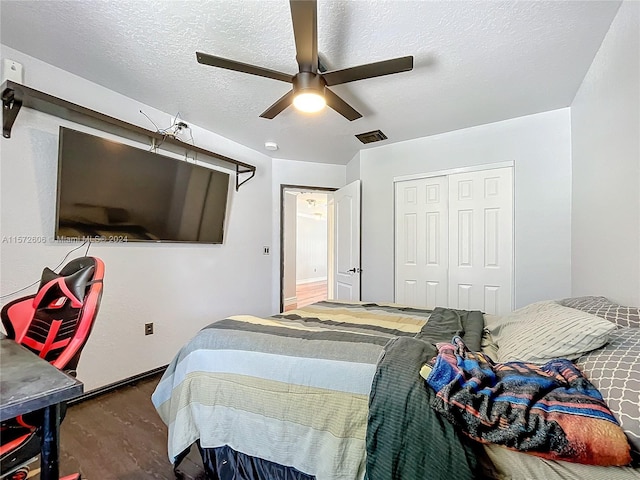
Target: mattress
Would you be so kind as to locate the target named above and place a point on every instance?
(294, 389)
(291, 389)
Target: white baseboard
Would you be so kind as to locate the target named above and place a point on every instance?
(311, 280)
(290, 301)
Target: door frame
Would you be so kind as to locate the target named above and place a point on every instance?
(452, 171)
(284, 187)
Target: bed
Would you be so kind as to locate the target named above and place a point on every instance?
(332, 391)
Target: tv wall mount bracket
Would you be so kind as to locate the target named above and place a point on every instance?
(15, 96)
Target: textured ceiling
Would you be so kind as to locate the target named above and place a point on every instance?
(476, 62)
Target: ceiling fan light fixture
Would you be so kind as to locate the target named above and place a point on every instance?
(309, 101)
(309, 92)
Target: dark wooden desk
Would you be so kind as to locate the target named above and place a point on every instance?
(28, 383)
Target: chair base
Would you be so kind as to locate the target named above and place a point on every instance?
(19, 471)
(20, 474)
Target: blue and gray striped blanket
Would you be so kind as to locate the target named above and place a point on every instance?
(292, 389)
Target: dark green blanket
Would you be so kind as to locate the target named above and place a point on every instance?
(406, 438)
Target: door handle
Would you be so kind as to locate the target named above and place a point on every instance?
(355, 270)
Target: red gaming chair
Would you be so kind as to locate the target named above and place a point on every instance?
(54, 324)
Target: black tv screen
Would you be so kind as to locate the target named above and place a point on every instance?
(112, 191)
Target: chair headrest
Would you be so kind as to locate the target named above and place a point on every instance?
(76, 282)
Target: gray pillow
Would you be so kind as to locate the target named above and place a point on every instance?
(603, 307)
(615, 371)
(546, 330)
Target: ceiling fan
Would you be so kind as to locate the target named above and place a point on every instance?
(310, 92)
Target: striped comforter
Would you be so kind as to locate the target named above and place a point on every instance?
(292, 389)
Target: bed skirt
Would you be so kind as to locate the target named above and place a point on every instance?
(225, 463)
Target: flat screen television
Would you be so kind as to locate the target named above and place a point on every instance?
(111, 191)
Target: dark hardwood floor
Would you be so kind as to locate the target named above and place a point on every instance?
(119, 436)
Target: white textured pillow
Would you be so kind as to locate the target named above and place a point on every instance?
(545, 330)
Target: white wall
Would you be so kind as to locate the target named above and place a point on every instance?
(311, 261)
(290, 249)
(605, 128)
(353, 169)
(539, 146)
(179, 287)
(307, 174)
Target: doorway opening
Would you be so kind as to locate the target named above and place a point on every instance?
(306, 246)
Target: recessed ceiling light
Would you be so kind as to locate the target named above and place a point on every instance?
(271, 146)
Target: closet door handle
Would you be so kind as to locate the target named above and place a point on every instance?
(355, 270)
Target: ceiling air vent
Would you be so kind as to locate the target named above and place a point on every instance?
(370, 137)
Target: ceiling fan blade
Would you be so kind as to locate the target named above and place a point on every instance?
(279, 106)
(322, 63)
(370, 70)
(304, 15)
(212, 60)
(340, 106)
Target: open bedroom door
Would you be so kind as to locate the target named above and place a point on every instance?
(344, 230)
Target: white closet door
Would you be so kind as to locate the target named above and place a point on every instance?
(421, 242)
(481, 240)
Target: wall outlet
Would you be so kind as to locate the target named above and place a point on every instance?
(148, 328)
(178, 123)
(12, 70)
(266, 250)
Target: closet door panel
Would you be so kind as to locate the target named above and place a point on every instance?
(481, 247)
(421, 242)
(454, 241)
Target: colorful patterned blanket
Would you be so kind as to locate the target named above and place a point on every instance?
(548, 410)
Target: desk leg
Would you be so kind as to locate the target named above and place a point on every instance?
(50, 443)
